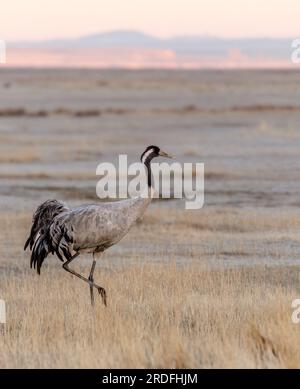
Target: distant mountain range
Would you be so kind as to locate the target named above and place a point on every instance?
(130, 47)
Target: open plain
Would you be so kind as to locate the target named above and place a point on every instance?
(204, 288)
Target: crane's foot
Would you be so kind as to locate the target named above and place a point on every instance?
(102, 292)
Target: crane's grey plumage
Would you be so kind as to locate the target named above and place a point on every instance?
(67, 232)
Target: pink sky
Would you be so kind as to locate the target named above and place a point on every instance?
(42, 19)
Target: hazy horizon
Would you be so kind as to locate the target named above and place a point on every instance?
(136, 49)
(169, 34)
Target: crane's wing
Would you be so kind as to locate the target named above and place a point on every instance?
(42, 219)
(39, 239)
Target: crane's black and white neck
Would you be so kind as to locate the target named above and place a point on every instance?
(146, 158)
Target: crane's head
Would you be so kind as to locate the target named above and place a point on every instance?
(152, 152)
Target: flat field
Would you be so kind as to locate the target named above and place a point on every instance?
(205, 288)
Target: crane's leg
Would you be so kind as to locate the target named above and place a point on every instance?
(101, 290)
(91, 279)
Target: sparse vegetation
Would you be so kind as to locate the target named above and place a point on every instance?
(187, 313)
(210, 288)
(158, 316)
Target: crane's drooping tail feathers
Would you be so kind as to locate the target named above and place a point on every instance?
(39, 240)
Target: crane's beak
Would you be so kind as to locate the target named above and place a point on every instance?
(164, 154)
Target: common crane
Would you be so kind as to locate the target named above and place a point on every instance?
(67, 232)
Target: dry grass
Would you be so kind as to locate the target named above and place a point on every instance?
(158, 316)
(228, 304)
(19, 154)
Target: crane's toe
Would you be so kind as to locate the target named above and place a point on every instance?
(102, 292)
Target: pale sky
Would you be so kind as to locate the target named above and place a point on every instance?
(43, 19)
